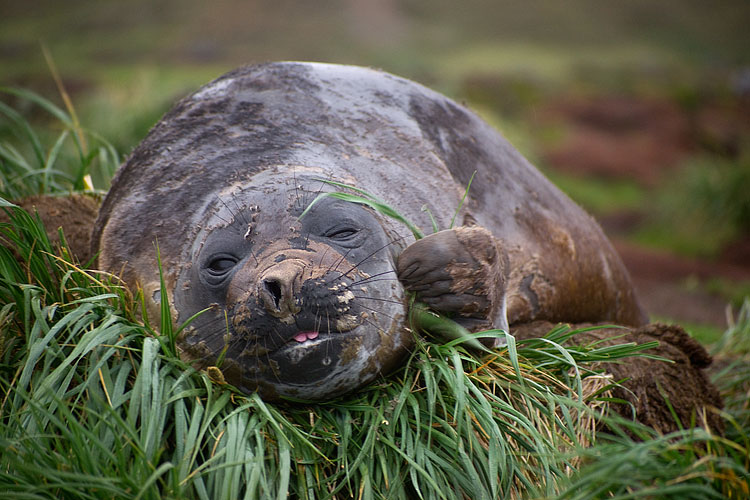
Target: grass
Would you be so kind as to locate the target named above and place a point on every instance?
(712, 199)
(599, 196)
(66, 160)
(86, 379)
(94, 403)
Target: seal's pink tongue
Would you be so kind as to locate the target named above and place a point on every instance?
(302, 336)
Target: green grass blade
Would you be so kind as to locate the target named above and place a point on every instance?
(463, 199)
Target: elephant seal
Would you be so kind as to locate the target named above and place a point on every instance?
(312, 307)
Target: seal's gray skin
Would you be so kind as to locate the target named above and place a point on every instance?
(310, 308)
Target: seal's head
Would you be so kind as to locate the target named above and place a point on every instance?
(306, 307)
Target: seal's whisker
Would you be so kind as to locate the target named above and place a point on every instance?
(222, 219)
(268, 363)
(238, 286)
(372, 278)
(368, 280)
(239, 210)
(377, 311)
(322, 257)
(278, 335)
(378, 299)
(328, 325)
(296, 191)
(320, 189)
(319, 321)
(257, 262)
(234, 215)
(210, 324)
(338, 263)
(355, 266)
(374, 324)
(307, 240)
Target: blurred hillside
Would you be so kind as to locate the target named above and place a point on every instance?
(639, 110)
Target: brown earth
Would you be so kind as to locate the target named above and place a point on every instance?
(75, 213)
(660, 279)
(652, 389)
(619, 137)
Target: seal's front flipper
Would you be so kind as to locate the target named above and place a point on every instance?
(459, 272)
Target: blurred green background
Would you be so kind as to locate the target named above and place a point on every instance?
(640, 110)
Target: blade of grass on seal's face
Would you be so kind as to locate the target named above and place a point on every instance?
(367, 199)
(364, 193)
(375, 205)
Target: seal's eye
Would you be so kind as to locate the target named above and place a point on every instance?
(221, 264)
(341, 233)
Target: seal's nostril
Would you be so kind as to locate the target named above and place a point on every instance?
(274, 289)
(278, 287)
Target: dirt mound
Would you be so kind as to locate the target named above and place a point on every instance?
(75, 213)
(653, 388)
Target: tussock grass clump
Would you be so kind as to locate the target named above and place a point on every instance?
(95, 404)
(732, 373)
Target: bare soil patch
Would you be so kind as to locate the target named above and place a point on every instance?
(641, 138)
(620, 137)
